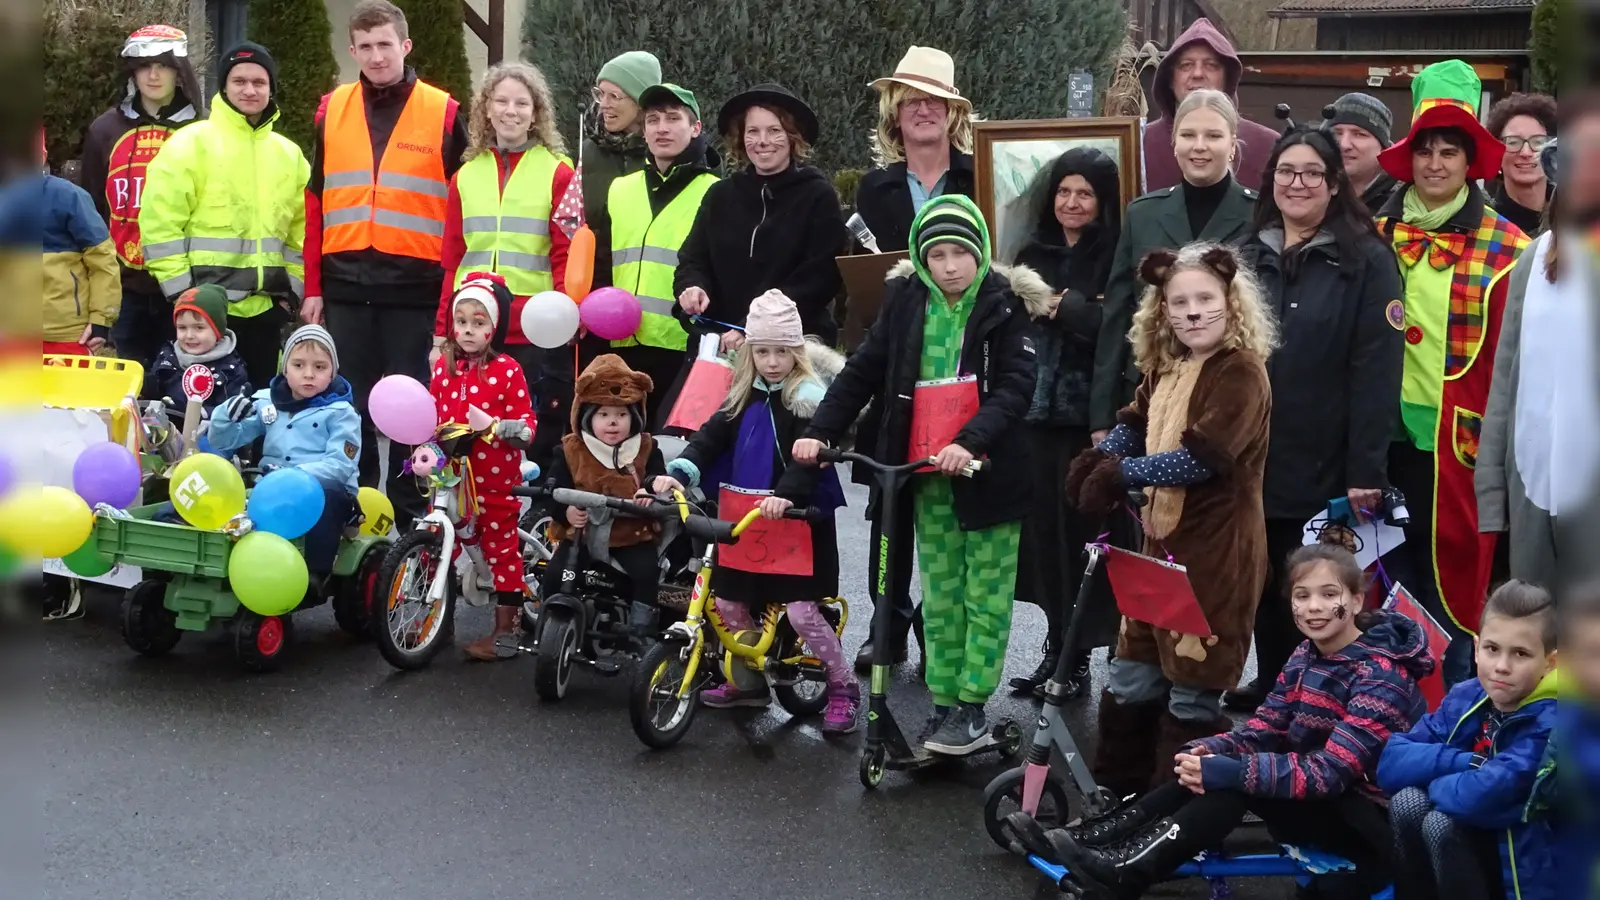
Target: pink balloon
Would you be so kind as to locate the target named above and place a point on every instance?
(611, 313)
(403, 410)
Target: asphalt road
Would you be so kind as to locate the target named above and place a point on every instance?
(340, 778)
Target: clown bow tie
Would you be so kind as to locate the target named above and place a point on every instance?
(1410, 242)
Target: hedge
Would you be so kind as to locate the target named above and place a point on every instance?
(1012, 59)
(301, 40)
(1546, 47)
(439, 48)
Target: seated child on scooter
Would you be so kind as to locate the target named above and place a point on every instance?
(310, 393)
(200, 318)
(608, 452)
(776, 388)
(1304, 763)
(1462, 778)
(949, 316)
(473, 372)
(1194, 440)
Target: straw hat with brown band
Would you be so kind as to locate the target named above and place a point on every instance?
(929, 70)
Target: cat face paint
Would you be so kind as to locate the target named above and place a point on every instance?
(1196, 304)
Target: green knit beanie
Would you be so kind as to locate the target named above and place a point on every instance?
(633, 72)
(209, 302)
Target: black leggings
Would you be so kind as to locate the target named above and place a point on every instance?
(1349, 825)
(638, 562)
(1439, 858)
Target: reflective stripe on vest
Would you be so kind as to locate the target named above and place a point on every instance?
(644, 253)
(400, 210)
(508, 233)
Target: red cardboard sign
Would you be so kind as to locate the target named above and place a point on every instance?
(703, 391)
(768, 546)
(198, 381)
(939, 410)
(1154, 591)
(1401, 601)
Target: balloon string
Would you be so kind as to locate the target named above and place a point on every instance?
(737, 328)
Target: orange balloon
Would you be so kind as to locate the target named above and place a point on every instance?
(580, 264)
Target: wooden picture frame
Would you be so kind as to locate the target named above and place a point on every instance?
(1010, 156)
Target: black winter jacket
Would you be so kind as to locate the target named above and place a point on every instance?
(164, 379)
(1066, 344)
(758, 232)
(883, 371)
(1336, 376)
(884, 198)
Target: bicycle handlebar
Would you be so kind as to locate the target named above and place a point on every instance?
(831, 455)
(702, 527)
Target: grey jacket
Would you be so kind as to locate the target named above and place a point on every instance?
(1544, 550)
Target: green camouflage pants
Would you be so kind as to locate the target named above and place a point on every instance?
(968, 579)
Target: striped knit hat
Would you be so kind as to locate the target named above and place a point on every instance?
(949, 223)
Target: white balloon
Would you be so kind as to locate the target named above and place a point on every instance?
(549, 319)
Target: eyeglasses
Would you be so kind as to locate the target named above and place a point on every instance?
(1514, 144)
(1311, 178)
(604, 97)
(922, 102)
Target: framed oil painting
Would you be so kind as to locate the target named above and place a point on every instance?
(1013, 159)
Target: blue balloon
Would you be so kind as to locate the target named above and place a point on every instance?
(287, 502)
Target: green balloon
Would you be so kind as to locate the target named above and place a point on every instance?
(87, 561)
(9, 562)
(267, 574)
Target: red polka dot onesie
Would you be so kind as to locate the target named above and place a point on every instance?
(499, 388)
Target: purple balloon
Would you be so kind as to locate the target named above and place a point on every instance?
(8, 474)
(611, 313)
(107, 473)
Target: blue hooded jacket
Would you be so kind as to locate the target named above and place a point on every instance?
(320, 436)
(1437, 756)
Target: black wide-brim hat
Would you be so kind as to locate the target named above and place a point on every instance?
(770, 95)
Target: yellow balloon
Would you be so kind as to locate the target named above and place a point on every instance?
(376, 510)
(44, 522)
(207, 491)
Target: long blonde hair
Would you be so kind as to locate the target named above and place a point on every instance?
(744, 378)
(1222, 105)
(888, 145)
(480, 133)
(1250, 324)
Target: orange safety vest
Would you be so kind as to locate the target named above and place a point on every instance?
(402, 210)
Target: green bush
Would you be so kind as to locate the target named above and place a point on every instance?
(301, 41)
(1546, 47)
(845, 183)
(83, 76)
(1012, 59)
(439, 51)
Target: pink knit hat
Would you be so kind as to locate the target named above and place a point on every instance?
(774, 320)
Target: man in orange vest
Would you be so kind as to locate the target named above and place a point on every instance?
(385, 149)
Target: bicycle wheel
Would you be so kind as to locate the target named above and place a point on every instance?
(802, 690)
(412, 628)
(659, 716)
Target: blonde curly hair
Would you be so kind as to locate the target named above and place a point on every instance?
(888, 145)
(480, 133)
(1250, 324)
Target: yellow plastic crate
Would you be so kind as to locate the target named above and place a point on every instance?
(97, 383)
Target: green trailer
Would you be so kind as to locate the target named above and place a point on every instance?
(185, 587)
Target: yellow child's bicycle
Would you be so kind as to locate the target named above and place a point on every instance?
(666, 687)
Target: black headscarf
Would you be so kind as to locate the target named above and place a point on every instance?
(1087, 266)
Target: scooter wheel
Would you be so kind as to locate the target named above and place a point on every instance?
(1003, 797)
(872, 767)
(1009, 737)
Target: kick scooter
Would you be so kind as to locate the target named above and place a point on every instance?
(1034, 786)
(886, 745)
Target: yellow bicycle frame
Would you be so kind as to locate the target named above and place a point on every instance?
(701, 611)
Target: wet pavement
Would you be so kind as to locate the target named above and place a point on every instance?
(338, 777)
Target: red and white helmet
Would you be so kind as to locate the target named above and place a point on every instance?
(156, 40)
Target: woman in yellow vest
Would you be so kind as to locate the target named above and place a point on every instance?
(646, 218)
(501, 212)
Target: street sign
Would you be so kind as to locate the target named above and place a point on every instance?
(1080, 95)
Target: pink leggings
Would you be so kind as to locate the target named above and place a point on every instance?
(808, 622)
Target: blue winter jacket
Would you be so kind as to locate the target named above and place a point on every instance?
(1578, 803)
(1437, 755)
(320, 436)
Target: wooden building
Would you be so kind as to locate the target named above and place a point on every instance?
(1346, 26)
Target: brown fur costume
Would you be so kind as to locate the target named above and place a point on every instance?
(1220, 529)
(608, 382)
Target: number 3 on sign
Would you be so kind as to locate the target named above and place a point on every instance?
(767, 546)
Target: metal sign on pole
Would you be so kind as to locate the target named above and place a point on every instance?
(1080, 95)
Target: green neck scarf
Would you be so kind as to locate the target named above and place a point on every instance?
(1420, 216)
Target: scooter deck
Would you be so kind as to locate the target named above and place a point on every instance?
(920, 758)
(1292, 862)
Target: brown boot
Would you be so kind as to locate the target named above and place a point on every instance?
(1173, 733)
(1122, 760)
(505, 622)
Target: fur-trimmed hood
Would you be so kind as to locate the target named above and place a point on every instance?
(1025, 283)
(826, 363)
